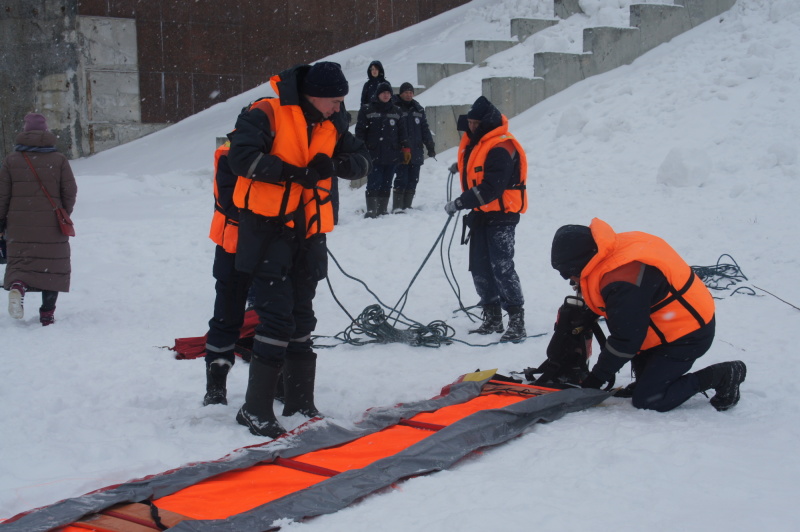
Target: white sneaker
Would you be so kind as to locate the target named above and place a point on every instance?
(15, 309)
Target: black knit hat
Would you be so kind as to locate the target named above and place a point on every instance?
(325, 80)
(406, 87)
(573, 248)
(480, 109)
(383, 86)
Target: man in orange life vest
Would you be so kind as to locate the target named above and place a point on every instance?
(493, 170)
(660, 315)
(231, 285)
(287, 151)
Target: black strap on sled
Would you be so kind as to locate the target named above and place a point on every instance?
(154, 515)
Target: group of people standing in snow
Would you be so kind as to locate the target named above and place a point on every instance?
(395, 130)
(659, 315)
(274, 185)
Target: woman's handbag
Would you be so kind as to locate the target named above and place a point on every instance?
(64, 221)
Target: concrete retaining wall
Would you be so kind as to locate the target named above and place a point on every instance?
(604, 49)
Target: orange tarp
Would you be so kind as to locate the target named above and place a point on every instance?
(450, 414)
(233, 493)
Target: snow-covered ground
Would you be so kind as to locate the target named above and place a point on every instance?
(696, 142)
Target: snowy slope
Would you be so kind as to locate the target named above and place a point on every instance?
(697, 142)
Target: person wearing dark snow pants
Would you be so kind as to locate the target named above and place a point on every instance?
(419, 136)
(286, 152)
(660, 315)
(493, 173)
(231, 286)
(380, 127)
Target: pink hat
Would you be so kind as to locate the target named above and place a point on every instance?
(35, 122)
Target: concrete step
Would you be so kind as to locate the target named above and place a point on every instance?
(430, 73)
(566, 8)
(513, 95)
(478, 51)
(442, 120)
(522, 28)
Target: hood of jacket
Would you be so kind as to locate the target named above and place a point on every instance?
(378, 64)
(36, 138)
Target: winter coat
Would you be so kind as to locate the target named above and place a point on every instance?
(368, 91)
(38, 254)
(265, 152)
(380, 127)
(419, 134)
(502, 169)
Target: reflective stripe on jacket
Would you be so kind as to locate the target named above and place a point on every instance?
(224, 230)
(290, 144)
(689, 304)
(515, 198)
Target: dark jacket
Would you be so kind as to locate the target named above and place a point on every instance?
(251, 142)
(500, 170)
(368, 91)
(419, 134)
(380, 127)
(38, 254)
(628, 308)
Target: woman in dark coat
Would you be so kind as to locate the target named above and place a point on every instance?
(376, 76)
(38, 254)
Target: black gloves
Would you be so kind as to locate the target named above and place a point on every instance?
(323, 165)
(320, 167)
(592, 381)
(431, 150)
(454, 168)
(453, 206)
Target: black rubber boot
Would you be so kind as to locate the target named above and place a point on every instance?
(216, 379)
(257, 413)
(398, 201)
(383, 204)
(372, 206)
(409, 198)
(516, 326)
(298, 382)
(492, 321)
(725, 379)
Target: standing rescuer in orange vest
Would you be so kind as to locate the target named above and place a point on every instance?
(660, 315)
(493, 173)
(286, 152)
(231, 285)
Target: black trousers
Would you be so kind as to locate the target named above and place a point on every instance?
(225, 326)
(285, 270)
(662, 381)
(491, 261)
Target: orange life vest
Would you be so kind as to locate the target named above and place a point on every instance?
(689, 304)
(224, 231)
(290, 144)
(513, 199)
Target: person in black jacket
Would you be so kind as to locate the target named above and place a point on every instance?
(493, 172)
(283, 193)
(380, 127)
(231, 286)
(375, 76)
(419, 136)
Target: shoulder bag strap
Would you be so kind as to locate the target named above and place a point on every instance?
(39, 179)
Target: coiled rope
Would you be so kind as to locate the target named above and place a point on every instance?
(373, 325)
(723, 276)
